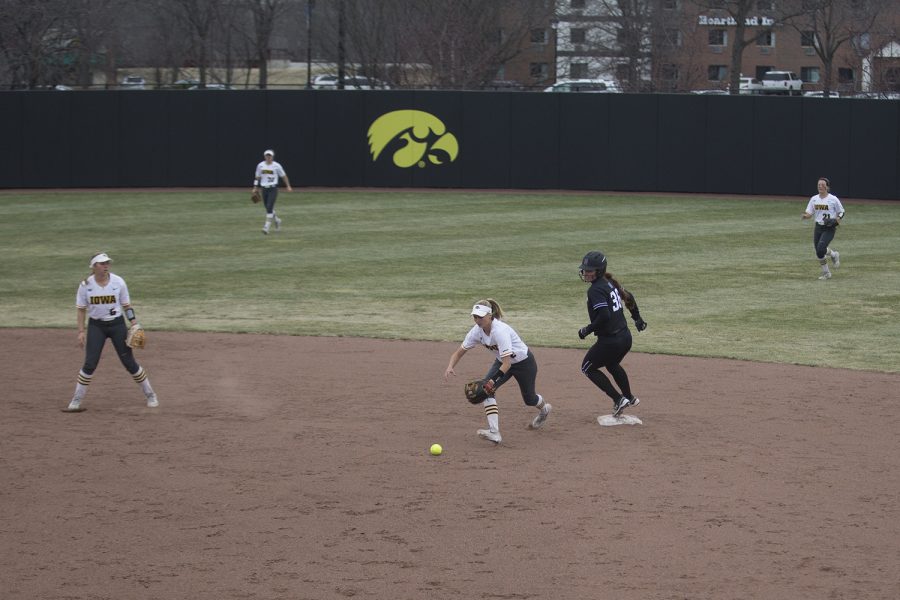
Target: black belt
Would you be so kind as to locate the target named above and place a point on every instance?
(109, 322)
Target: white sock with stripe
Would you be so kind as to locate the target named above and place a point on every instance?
(492, 412)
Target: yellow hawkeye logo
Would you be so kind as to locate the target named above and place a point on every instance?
(422, 136)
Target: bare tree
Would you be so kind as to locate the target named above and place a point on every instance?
(201, 17)
(465, 42)
(832, 24)
(92, 23)
(623, 34)
(265, 14)
(33, 38)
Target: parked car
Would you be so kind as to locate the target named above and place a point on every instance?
(185, 84)
(211, 86)
(782, 82)
(133, 82)
(750, 85)
(351, 82)
(584, 85)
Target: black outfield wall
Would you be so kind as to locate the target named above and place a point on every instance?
(667, 143)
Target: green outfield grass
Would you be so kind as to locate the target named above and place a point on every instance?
(714, 276)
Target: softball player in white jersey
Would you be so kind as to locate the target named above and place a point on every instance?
(267, 174)
(513, 359)
(827, 211)
(103, 298)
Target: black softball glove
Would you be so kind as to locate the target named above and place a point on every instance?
(829, 222)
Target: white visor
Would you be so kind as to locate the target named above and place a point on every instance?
(480, 310)
(268, 152)
(102, 257)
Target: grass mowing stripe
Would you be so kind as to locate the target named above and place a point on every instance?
(714, 276)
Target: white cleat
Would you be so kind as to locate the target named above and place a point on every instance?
(836, 259)
(487, 434)
(74, 406)
(152, 401)
(277, 224)
(541, 418)
(825, 275)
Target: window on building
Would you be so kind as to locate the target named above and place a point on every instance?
(765, 4)
(718, 37)
(538, 36)
(891, 79)
(539, 71)
(809, 74)
(808, 39)
(576, 3)
(845, 75)
(668, 72)
(762, 70)
(672, 38)
(578, 71)
(766, 38)
(577, 36)
(717, 72)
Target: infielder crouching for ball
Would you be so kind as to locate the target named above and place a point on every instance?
(827, 211)
(606, 301)
(513, 359)
(266, 177)
(103, 297)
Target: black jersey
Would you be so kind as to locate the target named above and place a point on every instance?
(605, 308)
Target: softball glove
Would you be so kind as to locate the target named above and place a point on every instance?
(136, 337)
(475, 391)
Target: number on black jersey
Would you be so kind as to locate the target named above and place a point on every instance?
(616, 301)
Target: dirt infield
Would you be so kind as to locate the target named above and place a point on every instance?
(298, 468)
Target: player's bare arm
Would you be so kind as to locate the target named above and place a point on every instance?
(82, 313)
(454, 358)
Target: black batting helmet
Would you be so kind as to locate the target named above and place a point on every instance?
(594, 261)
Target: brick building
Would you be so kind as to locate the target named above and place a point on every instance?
(684, 45)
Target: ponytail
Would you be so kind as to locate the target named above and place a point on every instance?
(627, 298)
(496, 311)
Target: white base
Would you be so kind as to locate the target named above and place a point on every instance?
(610, 421)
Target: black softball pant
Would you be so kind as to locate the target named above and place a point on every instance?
(525, 374)
(608, 352)
(270, 194)
(822, 236)
(97, 332)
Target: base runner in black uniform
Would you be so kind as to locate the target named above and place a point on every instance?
(606, 299)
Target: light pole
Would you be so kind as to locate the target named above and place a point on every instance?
(309, 8)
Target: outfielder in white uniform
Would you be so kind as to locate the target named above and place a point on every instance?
(512, 359)
(827, 211)
(103, 298)
(266, 177)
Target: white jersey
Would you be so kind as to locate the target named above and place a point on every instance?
(503, 341)
(825, 208)
(103, 302)
(268, 173)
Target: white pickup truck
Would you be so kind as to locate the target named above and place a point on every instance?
(781, 82)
